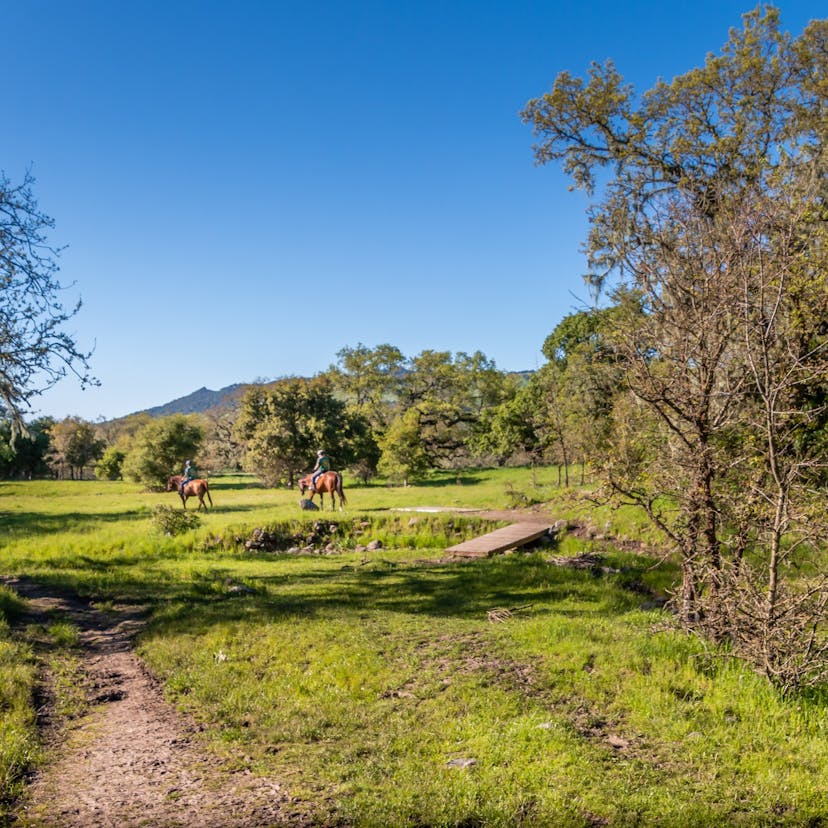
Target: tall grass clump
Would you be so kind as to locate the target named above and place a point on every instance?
(18, 731)
(170, 521)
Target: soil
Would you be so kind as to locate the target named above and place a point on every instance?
(133, 760)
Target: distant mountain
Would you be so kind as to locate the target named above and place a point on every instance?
(199, 401)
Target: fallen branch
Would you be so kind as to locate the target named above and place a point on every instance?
(501, 614)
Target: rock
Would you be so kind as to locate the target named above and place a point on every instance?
(461, 763)
(374, 545)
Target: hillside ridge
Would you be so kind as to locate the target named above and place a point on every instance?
(199, 401)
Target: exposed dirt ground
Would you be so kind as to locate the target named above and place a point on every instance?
(133, 760)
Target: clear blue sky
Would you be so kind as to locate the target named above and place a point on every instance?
(245, 188)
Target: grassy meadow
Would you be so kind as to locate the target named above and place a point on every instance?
(385, 688)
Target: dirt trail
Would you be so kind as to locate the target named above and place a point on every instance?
(133, 760)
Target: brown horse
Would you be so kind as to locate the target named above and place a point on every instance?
(193, 488)
(329, 482)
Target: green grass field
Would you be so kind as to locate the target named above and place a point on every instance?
(380, 688)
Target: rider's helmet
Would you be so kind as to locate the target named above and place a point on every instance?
(319, 453)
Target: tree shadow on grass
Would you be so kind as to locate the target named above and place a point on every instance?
(218, 485)
(463, 591)
(442, 483)
(42, 523)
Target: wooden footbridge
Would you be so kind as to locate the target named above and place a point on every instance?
(499, 540)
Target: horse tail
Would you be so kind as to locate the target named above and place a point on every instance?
(342, 498)
(207, 492)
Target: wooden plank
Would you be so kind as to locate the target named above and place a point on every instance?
(500, 540)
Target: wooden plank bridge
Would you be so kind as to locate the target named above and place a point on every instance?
(499, 540)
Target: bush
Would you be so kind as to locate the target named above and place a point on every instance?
(110, 465)
(174, 521)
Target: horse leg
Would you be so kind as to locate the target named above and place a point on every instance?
(207, 492)
(183, 500)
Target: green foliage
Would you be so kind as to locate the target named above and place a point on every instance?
(24, 455)
(171, 521)
(110, 466)
(515, 426)
(160, 448)
(369, 379)
(286, 424)
(404, 456)
(580, 333)
(435, 421)
(74, 445)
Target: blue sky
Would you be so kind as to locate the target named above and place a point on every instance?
(245, 188)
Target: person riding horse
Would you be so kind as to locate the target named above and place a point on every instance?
(188, 475)
(323, 464)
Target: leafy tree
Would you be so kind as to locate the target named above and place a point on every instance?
(361, 453)
(404, 455)
(448, 395)
(511, 428)
(369, 380)
(24, 455)
(110, 466)
(580, 382)
(74, 446)
(35, 350)
(283, 427)
(160, 448)
(561, 413)
(706, 177)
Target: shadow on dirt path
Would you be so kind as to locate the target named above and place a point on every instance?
(133, 760)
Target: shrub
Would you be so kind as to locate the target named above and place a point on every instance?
(174, 521)
(110, 465)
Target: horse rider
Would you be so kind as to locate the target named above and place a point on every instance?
(323, 464)
(188, 475)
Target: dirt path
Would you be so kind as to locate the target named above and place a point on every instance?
(133, 760)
